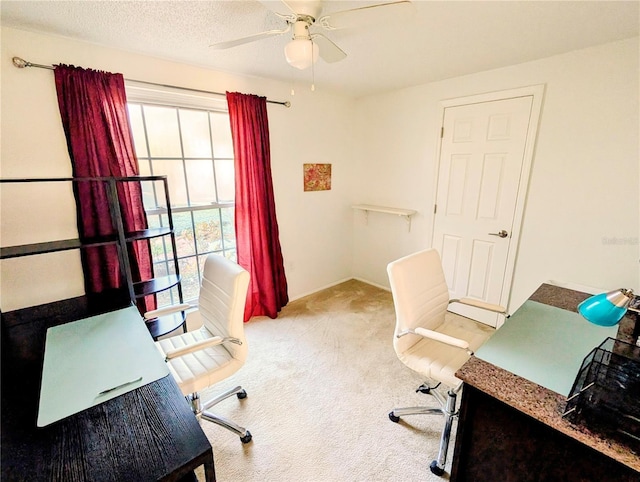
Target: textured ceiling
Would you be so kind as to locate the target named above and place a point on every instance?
(437, 40)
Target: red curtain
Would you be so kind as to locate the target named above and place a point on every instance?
(257, 237)
(93, 107)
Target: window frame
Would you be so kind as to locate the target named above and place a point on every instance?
(138, 93)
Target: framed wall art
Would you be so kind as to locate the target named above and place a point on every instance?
(317, 177)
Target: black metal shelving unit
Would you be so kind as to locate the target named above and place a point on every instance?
(122, 240)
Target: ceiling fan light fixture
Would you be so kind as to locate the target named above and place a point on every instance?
(301, 53)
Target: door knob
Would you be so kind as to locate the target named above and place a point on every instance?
(502, 234)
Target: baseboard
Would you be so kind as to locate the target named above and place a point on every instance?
(386, 288)
(337, 283)
(320, 289)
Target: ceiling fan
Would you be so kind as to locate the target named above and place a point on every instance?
(301, 16)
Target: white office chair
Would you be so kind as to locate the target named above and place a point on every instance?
(201, 358)
(428, 342)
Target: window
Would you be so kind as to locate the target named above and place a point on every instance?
(192, 146)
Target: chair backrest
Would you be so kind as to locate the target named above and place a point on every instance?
(420, 294)
(223, 295)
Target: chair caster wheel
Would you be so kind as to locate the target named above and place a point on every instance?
(435, 469)
(247, 438)
(242, 394)
(393, 417)
(424, 389)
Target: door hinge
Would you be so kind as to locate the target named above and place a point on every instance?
(435, 208)
(441, 132)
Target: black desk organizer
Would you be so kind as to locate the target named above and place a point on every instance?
(605, 396)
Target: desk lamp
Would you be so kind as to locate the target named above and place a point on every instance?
(606, 309)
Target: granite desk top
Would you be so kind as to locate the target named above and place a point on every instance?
(538, 402)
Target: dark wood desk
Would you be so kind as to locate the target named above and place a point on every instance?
(147, 434)
(511, 429)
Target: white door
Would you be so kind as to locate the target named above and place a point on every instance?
(480, 179)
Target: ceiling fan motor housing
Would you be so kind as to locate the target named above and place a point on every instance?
(301, 27)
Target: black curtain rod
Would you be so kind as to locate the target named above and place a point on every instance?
(21, 64)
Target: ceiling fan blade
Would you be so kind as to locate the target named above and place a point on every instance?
(329, 51)
(251, 38)
(280, 8)
(292, 9)
(365, 15)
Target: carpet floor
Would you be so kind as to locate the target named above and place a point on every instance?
(321, 380)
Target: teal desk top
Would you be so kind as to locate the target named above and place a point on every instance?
(92, 360)
(544, 344)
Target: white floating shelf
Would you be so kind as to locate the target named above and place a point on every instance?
(406, 213)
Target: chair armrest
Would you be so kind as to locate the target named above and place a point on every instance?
(198, 346)
(441, 337)
(167, 310)
(481, 304)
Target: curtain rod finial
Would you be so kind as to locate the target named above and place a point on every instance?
(20, 63)
(287, 104)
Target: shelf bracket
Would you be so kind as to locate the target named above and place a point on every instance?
(408, 220)
(405, 213)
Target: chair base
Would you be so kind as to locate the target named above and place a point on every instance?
(201, 410)
(447, 409)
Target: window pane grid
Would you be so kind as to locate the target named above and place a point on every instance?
(148, 152)
(203, 222)
(213, 159)
(184, 167)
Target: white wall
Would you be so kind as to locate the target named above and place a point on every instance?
(584, 185)
(315, 228)
(583, 188)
